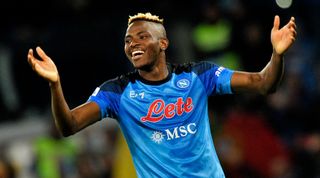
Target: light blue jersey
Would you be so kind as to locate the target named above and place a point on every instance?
(166, 123)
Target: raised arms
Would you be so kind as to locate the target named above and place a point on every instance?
(67, 121)
(267, 80)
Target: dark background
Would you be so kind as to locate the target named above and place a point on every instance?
(85, 39)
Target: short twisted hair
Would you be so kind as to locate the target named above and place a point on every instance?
(145, 16)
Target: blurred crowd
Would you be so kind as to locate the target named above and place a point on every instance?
(275, 136)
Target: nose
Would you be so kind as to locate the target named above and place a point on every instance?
(133, 43)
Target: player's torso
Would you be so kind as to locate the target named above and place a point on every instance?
(159, 107)
(167, 124)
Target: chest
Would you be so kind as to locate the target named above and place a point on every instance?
(169, 102)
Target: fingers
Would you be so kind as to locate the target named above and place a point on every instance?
(30, 54)
(276, 23)
(292, 27)
(292, 23)
(31, 59)
(41, 53)
(294, 33)
(292, 19)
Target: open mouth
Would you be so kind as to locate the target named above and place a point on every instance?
(137, 54)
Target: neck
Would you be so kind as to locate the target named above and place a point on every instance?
(157, 73)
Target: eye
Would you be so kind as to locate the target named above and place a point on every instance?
(127, 41)
(142, 37)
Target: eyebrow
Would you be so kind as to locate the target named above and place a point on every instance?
(139, 33)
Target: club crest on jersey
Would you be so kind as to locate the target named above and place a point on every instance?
(183, 83)
(158, 109)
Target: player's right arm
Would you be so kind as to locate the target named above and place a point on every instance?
(67, 121)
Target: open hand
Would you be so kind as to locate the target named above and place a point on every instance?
(283, 38)
(45, 67)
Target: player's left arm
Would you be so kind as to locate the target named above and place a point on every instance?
(267, 80)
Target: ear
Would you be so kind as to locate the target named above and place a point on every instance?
(164, 43)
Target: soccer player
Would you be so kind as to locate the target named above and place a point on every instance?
(162, 109)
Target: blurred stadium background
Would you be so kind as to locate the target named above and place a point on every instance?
(277, 136)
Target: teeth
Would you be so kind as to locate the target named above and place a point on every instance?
(137, 53)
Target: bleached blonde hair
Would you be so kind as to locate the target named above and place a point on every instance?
(145, 16)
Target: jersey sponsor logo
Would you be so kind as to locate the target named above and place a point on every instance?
(134, 94)
(181, 131)
(219, 70)
(183, 83)
(159, 110)
(157, 137)
(174, 133)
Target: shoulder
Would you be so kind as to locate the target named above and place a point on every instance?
(119, 82)
(197, 67)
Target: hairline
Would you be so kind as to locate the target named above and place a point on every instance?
(158, 25)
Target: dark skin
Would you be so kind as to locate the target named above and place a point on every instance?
(145, 45)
